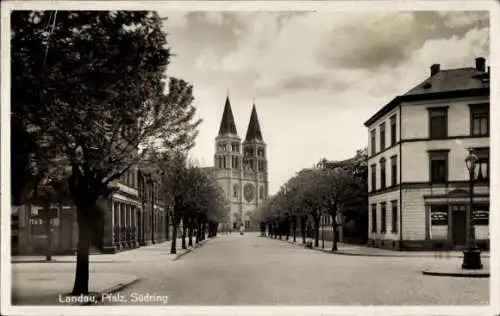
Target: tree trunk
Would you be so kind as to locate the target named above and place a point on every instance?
(334, 237)
(167, 228)
(294, 225)
(203, 230)
(81, 285)
(197, 239)
(303, 229)
(316, 232)
(191, 227)
(48, 232)
(214, 229)
(175, 227)
(287, 227)
(184, 230)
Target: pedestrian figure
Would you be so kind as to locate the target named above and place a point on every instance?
(242, 228)
(230, 231)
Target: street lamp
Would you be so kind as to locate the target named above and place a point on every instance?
(472, 254)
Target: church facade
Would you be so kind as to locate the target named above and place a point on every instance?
(240, 168)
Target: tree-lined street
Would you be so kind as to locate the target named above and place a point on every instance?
(240, 270)
(102, 138)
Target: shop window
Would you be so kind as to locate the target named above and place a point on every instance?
(439, 215)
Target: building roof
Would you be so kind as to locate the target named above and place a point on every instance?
(332, 164)
(451, 80)
(449, 83)
(253, 131)
(227, 125)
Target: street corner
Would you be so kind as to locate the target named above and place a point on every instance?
(457, 272)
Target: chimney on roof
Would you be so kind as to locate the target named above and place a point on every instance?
(481, 64)
(435, 69)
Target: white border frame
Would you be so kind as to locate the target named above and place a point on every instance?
(434, 5)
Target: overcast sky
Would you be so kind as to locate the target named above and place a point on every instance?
(316, 77)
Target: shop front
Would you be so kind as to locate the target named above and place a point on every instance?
(446, 220)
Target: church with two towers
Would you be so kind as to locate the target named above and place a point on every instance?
(241, 168)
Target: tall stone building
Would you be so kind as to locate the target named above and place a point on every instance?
(241, 168)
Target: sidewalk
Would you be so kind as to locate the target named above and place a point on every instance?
(360, 250)
(39, 288)
(137, 254)
(36, 282)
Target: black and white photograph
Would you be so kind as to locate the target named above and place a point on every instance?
(247, 157)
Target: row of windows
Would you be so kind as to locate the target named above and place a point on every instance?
(233, 147)
(124, 214)
(383, 217)
(249, 152)
(438, 165)
(149, 193)
(438, 168)
(129, 178)
(383, 173)
(438, 125)
(235, 163)
(381, 128)
(441, 214)
(479, 121)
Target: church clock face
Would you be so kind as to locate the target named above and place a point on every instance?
(249, 192)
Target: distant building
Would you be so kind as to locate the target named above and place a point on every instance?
(240, 168)
(121, 216)
(417, 179)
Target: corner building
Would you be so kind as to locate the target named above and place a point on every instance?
(418, 180)
(240, 168)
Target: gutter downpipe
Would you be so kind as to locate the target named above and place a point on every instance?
(400, 182)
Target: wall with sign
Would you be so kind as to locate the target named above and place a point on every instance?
(480, 217)
(438, 218)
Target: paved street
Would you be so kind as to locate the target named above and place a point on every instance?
(234, 270)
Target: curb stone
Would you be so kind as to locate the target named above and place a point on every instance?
(457, 274)
(191, 249)
(110, 290)
(342, 253)
(187, 250)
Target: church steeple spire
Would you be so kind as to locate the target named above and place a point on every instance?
(253, 131)
(227, 125)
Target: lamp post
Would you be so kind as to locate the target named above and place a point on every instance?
(472, 254)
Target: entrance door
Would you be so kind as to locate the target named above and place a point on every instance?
(459, 232)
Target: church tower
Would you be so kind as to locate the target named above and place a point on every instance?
(227, 164)
(241, 174)
(255, 182)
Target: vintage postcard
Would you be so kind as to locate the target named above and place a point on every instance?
(239, 157)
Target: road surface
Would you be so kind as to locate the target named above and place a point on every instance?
(252, 270)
